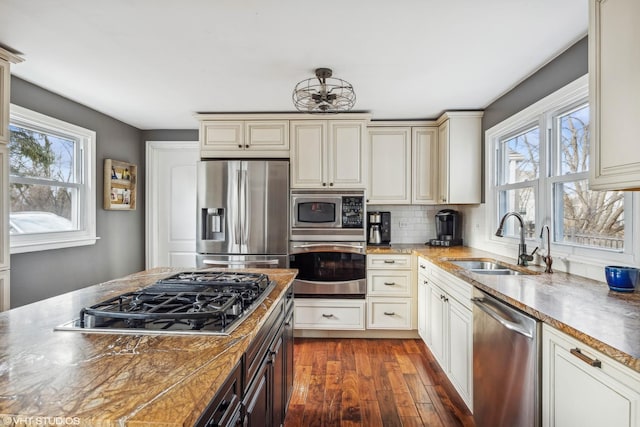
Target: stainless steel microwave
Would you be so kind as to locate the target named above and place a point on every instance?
(327, 215)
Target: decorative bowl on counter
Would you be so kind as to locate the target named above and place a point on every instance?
(621, 279)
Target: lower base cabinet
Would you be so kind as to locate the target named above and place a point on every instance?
(448, 325)
(258, 391)
(583, 387)
(331, 314)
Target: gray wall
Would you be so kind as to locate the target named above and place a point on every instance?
(120, 249)
(170, 135)
(564, 69)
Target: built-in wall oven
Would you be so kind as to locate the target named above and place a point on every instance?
(328, 243)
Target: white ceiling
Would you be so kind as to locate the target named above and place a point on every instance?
(154, 63)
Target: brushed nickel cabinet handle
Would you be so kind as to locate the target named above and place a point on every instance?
(389, 313)
(389, 283)
(389, 261)
(424, 267)
(586, 359)
(327, 316)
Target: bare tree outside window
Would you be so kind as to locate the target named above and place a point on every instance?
(583, 217)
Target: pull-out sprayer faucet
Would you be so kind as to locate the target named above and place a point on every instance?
(547, 258)
(523, 257)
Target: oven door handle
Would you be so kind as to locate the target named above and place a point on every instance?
(328, 245)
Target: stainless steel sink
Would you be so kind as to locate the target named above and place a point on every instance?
(486, 267)
(479, 265)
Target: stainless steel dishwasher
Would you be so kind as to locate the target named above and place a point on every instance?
(506, 364)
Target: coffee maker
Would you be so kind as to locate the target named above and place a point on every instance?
(448, 229)
(379, 228)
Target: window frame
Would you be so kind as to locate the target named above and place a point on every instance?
(86, 221)
(545, 112)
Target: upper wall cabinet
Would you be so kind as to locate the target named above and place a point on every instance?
(6, 59)
(402, 164)
(614, 83)
(328, 153)
(232, 136)
(389, 165)
(460, 157)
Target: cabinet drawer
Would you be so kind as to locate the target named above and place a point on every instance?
(391, 261)
(386, 314)
(389, 283)
(329, 314)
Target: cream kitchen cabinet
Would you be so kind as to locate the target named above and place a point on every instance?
(423, 267)
(583, 387)
(329, 314)
(459, 157)
(449, 328)
(328, 153)
(390, 292)
(230, 136)
(424, 165)
(389, 179)
(614, 84)
(402, 164)
(5, 84)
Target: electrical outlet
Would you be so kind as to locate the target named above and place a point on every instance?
(403, 223)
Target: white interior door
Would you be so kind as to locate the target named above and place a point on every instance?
(171, 203)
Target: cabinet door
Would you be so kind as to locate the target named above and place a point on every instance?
(422, 307)
(4, 208)
(257, 401)
(389, 165)
(267, 135)
(614, 82)
(287, 336)
(222, 135)
(424, 147)
(578, 394)
(443, 163)
(436, 324)
(5, 84)
(278, 397)
(461, 349)
(308, 161)
(346, 154)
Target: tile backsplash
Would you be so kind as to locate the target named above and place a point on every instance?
(411, 223)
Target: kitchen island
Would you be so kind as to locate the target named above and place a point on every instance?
(52, 377)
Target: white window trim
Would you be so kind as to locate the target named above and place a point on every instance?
(58, 240)
(571, 93)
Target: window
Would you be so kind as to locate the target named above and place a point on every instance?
(51, 183)
(540, 163)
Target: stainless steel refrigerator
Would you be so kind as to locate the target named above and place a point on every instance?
(243, 208)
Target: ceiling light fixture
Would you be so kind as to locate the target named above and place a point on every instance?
(324, 94)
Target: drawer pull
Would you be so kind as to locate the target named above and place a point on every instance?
(389, 261)
(327, 316)
(586, 359)
(389, 313)
(424, 267)
(425, 282)
(389, 283)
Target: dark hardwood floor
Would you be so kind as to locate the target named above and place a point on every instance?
(371, 382)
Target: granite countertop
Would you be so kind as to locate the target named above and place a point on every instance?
(583, 308)
(91, 379)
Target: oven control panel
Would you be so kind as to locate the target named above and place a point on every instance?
(352, 211)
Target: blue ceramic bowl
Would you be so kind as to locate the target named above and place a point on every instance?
(621, 279)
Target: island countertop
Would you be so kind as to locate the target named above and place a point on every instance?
(72, 378)
(583, 308)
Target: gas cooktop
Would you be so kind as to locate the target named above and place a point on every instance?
(196, 302)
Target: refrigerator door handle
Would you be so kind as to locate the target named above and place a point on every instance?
(237, 195)
(242, 262)
(245, 207)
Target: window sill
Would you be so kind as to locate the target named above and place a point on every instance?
(24, 247)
